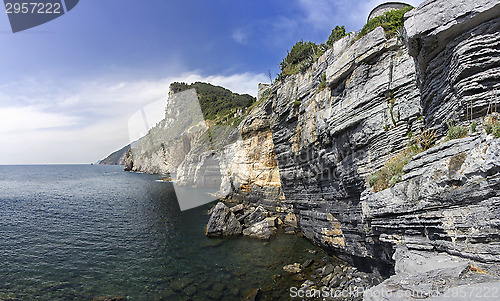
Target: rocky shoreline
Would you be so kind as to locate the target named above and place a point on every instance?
(321, 275)
(418, 275)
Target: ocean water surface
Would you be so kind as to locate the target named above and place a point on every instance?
(81, 232)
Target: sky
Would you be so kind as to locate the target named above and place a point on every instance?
(69, 87)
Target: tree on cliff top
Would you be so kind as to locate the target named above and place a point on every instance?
(215, 101)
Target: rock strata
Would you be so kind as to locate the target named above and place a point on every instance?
(309, 145)
(438, 276)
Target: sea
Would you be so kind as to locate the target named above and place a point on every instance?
(91, 232)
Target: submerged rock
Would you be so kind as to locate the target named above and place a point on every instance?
(110, 298)
(252, 295)
(181, 283)
(222, 222)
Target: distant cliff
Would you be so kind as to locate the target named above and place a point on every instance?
(310, 146)
(116, 158)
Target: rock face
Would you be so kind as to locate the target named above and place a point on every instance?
(306, 150)
(457, 57)
(222, 222)
(448, 201)
(421, 275)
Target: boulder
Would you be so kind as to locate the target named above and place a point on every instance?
(292, 268)
(272, 221)
(260, 230)
(222, 222)
(252, 295)
(256, 216)
(237, 208)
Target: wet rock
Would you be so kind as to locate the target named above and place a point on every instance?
(181, 283)
(190, 290)
(326, 280)
(222, 222)
(292, 268)
(307, 263)
(272, 221)
(218, 287)
(291, 220)
(252, 295)
(327, 269)
(307, 284)
(110, 298)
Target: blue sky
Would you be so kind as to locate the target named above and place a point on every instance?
(69, 87)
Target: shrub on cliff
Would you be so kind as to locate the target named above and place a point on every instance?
(392, 171)
(456, 131)
(391, 21)
(337, 33)
(301, 52)
(492, 126)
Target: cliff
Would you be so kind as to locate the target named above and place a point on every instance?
(308, 146)
(116, 158)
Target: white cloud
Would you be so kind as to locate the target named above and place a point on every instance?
(26, 119)
(85, 120)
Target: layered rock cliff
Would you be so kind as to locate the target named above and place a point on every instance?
(307, 148)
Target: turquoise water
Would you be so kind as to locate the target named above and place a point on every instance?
(79, 232)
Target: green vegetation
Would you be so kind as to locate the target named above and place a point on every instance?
(304, 54)
(297, 103)
(456, 131)
(473, 127)
(492, 126)
(337, 33)
(391, 102)
(216, 102)
(298, 59)
(322, 84)
(392, 22)
(392, 171)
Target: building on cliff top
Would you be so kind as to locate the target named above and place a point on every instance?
(385, 7)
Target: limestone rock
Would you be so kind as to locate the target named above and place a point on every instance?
(223, 222)
(255, 216)
(292, 268)
(448, 199)
(431, 276)
(238, 208)
(260, 230)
